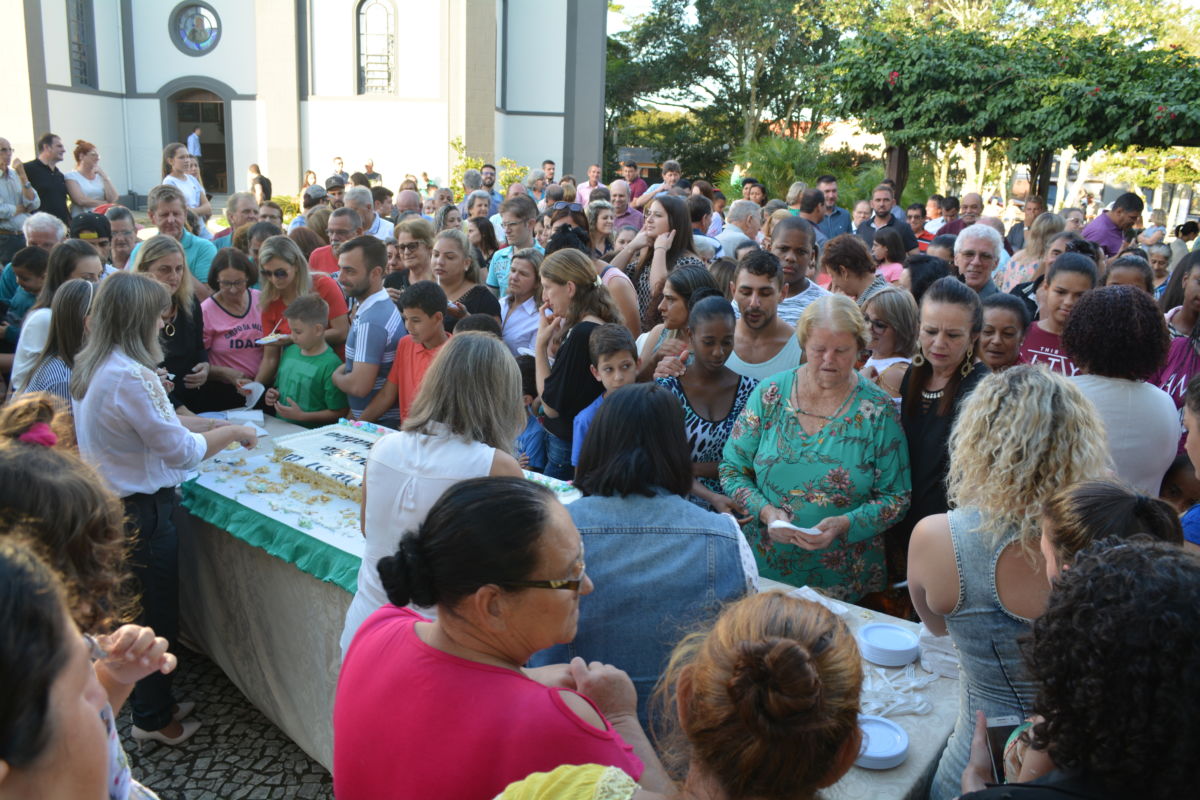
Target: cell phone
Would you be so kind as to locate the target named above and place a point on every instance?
(998, 731)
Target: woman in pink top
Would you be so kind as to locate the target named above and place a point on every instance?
(232, 318)
(443, 708)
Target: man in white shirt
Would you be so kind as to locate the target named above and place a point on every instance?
(18, 200)
(763, 344)
(359, 200)
(792, 242)
(741, 225)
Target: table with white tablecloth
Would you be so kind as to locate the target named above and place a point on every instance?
(268, 568)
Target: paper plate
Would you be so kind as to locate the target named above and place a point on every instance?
(888, 645)
(885, 744)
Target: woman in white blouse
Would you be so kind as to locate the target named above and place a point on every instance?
(128, 430)
(519, 308)
(87, 184)
(176, 161)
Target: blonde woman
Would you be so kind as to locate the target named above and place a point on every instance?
(892, 316)
(458, 275)
(182, 334)
(977, 573)
(463, 424)
(414, 246)
(576, 303)
(285, 276)
(128, 429)
(820, 447)
(1026, 263)
(1156, 231)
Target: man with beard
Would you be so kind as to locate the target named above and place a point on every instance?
(763, 344)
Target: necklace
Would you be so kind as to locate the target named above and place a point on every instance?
(169, 326)
(836, 414)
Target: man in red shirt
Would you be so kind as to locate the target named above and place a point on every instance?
(344, 225)
(629, 171)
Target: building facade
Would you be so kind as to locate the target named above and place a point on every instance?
(290, 84)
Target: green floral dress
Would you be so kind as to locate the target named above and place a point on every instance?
(856, 465)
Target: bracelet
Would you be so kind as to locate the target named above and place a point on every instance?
(662, 249)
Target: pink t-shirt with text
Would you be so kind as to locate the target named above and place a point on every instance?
(1043, 347)
(229, 339)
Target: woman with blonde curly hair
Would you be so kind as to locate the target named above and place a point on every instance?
(977, 573)
(1026, 263)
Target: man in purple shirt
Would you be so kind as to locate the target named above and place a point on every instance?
(633, 177)
(1108, 229)
(623, 213)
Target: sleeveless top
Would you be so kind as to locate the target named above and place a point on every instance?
(992, 674)
(412, 721)
(406, 474)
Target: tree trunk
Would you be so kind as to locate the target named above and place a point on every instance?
(1039, 173)
(970, 170)
(896, 166)
(1064, 171)
(943, 174)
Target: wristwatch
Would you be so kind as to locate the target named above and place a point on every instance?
(28, 184)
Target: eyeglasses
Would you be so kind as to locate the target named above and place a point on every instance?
(408, 247)
(276, 273)
(508, 226)
(983, 256)
(572, 584)
(877, 325)
(561, 204)
(234, 284)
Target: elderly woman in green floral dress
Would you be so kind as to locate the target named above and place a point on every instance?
(821, 447)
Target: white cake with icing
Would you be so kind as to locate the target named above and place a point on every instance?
(331, 458)
(565, 492)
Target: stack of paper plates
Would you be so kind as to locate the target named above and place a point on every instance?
(885, 744)
(888, 645)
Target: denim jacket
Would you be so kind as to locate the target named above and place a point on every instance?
(660, 565)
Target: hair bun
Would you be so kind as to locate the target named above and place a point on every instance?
(774, 683)
(405, 575)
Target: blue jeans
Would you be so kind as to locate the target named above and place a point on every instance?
(558, 458)
(155, 565)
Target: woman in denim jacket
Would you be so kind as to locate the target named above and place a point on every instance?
(660, 563)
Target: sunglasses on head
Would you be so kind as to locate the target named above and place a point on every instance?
(561, 204)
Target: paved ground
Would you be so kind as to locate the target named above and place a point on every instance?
(237, 754)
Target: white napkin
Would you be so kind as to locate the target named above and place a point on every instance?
(938, 654)
(809, 593)
(253, 390)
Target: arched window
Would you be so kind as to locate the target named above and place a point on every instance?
(376, 48)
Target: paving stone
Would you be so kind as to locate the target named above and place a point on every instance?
(237, 753)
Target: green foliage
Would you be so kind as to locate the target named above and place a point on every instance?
(1135, 165)
(289, 204)
(507, 170)
(684, 136)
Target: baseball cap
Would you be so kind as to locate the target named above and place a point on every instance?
(315, 192)
(334, 181)
(88, 226)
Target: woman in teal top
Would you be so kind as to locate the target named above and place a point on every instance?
(821, 447)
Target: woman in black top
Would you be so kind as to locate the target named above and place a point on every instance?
(576, 302)
(944, 371)
(458, 275)
(182, 334)
(484, 245)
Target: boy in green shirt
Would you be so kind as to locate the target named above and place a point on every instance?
(304, 392)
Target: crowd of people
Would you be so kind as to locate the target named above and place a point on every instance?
(911, 409)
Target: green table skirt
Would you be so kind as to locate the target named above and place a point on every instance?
(323, 561)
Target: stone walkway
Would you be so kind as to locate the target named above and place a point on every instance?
(236, 754)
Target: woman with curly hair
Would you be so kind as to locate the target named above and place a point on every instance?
(1117, 339)
(977, 573)
(1111, 658)
(52, 498)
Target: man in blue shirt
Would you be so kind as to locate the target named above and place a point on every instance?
(193, 142)
(837, 219)
(168, 212)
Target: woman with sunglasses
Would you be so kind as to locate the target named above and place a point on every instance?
(503, 563)
(414, 247)
(285, 276)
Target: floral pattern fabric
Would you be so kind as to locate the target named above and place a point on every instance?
(856, 465)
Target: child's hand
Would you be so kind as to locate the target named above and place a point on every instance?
(272, 396)
(288, 410)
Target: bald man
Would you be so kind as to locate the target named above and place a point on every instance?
(970, 209)
(623, 213)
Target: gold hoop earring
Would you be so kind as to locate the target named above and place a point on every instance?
(918, 360)
(968, 363)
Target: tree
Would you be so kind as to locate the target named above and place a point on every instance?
(745, 61)
(935, 85)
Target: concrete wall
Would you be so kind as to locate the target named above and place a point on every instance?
(157, 62)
